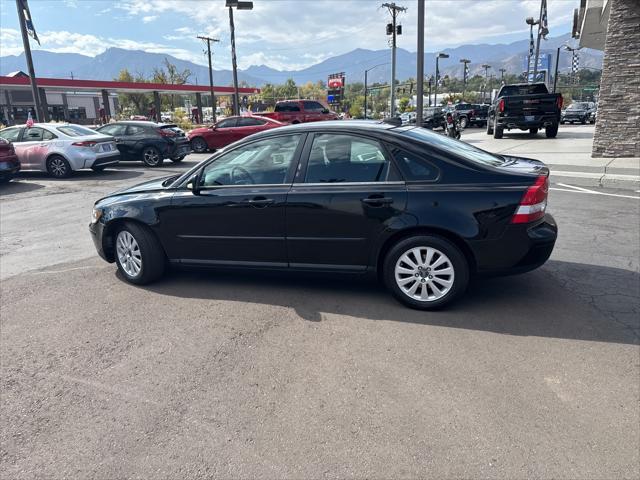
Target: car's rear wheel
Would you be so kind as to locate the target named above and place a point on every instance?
(551, 131)
(5, 179)
(151, 157)
(489, 127)
(497, 130)
(178, 159)
(139, 255)
(58, 167)
(199, 145)
(464, 122)
(425, 272)
(533, 131)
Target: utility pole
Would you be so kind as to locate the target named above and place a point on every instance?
(27, 54)
(486, 79)
(420, 66)
(542, 32)
(395, 30)
(213, 95)
(502, 70)
(465, 70)
(438, 57)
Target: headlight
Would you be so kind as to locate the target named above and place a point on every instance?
(96, 213)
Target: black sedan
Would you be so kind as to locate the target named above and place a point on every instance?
(148, 141)
(421, 210)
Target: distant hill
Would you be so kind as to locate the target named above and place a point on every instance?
(108, 64)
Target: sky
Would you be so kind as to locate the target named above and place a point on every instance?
(282, 34)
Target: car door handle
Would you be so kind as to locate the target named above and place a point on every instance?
(377, 201)
(258, 202)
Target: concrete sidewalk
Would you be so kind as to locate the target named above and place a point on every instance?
(568, 155)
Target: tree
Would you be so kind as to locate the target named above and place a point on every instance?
(136, 103)
(170, 75)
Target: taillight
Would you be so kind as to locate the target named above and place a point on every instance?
(165, 132)
(501, 105)
(534, 203)
(560, 102)
(87, 143)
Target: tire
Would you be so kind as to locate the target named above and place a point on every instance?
(178, 159)
(533, 131)
(58, 167)
(583, 121)
(397, 269)
(561, 122)
(5, 179)
(551, 131)
(151, 157)
(98, 169)
(199, 145)
(139, 255)
(489, 127)
(464, 122)
(295, 122)
(497, 131)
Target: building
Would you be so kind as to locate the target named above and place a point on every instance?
(614, 26)
(81, 101)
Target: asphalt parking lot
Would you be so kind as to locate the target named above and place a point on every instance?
(255, 374)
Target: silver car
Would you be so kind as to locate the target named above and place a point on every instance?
(62, 148)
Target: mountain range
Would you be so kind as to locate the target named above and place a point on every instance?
(108, 64)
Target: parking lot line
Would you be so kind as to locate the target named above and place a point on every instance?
(574, 189)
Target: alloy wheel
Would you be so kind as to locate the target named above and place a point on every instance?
(424, 274)
(151, 156)
(129, 255)
(58, 167)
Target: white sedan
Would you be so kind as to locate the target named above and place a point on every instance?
(62, 148)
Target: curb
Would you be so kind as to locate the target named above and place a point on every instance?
(599, 179)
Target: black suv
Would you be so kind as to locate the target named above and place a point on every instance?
(148, 141)
(423, 211)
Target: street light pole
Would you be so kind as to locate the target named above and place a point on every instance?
(240, 6)
(531, 22)
(420, 65)
(365, 86)
(438, 57)
(486, 78)
(464, 75)
(27, 53)
(502, 70)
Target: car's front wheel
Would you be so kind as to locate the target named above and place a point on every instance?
(139, 255)
(426, 272)
(178, 159)
(464, 122)
(199, 145)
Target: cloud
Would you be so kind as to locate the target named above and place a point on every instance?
(149, 18)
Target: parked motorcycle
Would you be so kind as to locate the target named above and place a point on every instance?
(454, 129)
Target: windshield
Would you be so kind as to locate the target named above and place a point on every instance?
(458, 148)
(75, 131)
(577, 106)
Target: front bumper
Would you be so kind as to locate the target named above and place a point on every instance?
(97, 232)
(9, 166)
(521, 248)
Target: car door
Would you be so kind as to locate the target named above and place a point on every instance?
(247, 126)
(223, 134)
(347, 193)
(32, 149)
(136, 138)
(236, 216)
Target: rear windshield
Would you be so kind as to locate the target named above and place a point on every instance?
(75, 131)
(456, 147)
(532, 89)
(578, 106)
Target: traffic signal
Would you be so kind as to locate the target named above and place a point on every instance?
(399, 29)
(389, 29)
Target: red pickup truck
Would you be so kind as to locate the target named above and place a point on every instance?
(300, 111)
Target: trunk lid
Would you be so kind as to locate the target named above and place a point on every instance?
(521, 165)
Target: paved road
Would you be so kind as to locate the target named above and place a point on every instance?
(247, 375)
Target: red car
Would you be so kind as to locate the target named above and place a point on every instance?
(300, 111)
(9, 163)
(228, 131)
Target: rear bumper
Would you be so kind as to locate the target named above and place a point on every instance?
(522, 248)
(104, 161)
(9, 166)
(538, 121)
(178, 149)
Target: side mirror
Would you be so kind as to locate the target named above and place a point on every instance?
(194, 183)
(325, 110)
(213, 127)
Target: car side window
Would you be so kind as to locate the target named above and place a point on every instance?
(265, 162)
(248, 122)
(33, 134)
(47, 135)
(415, 167)
(10, 134)
(337, 158)
(287, 107)
(227, 123)
(135, 130)
(313, 107)
(113, 130)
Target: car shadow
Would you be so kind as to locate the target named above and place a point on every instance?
(109, 174)
(560, 300)
(15, 186)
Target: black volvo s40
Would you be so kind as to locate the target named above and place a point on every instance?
(422, 211)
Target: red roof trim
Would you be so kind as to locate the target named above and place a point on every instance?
(112, 85)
